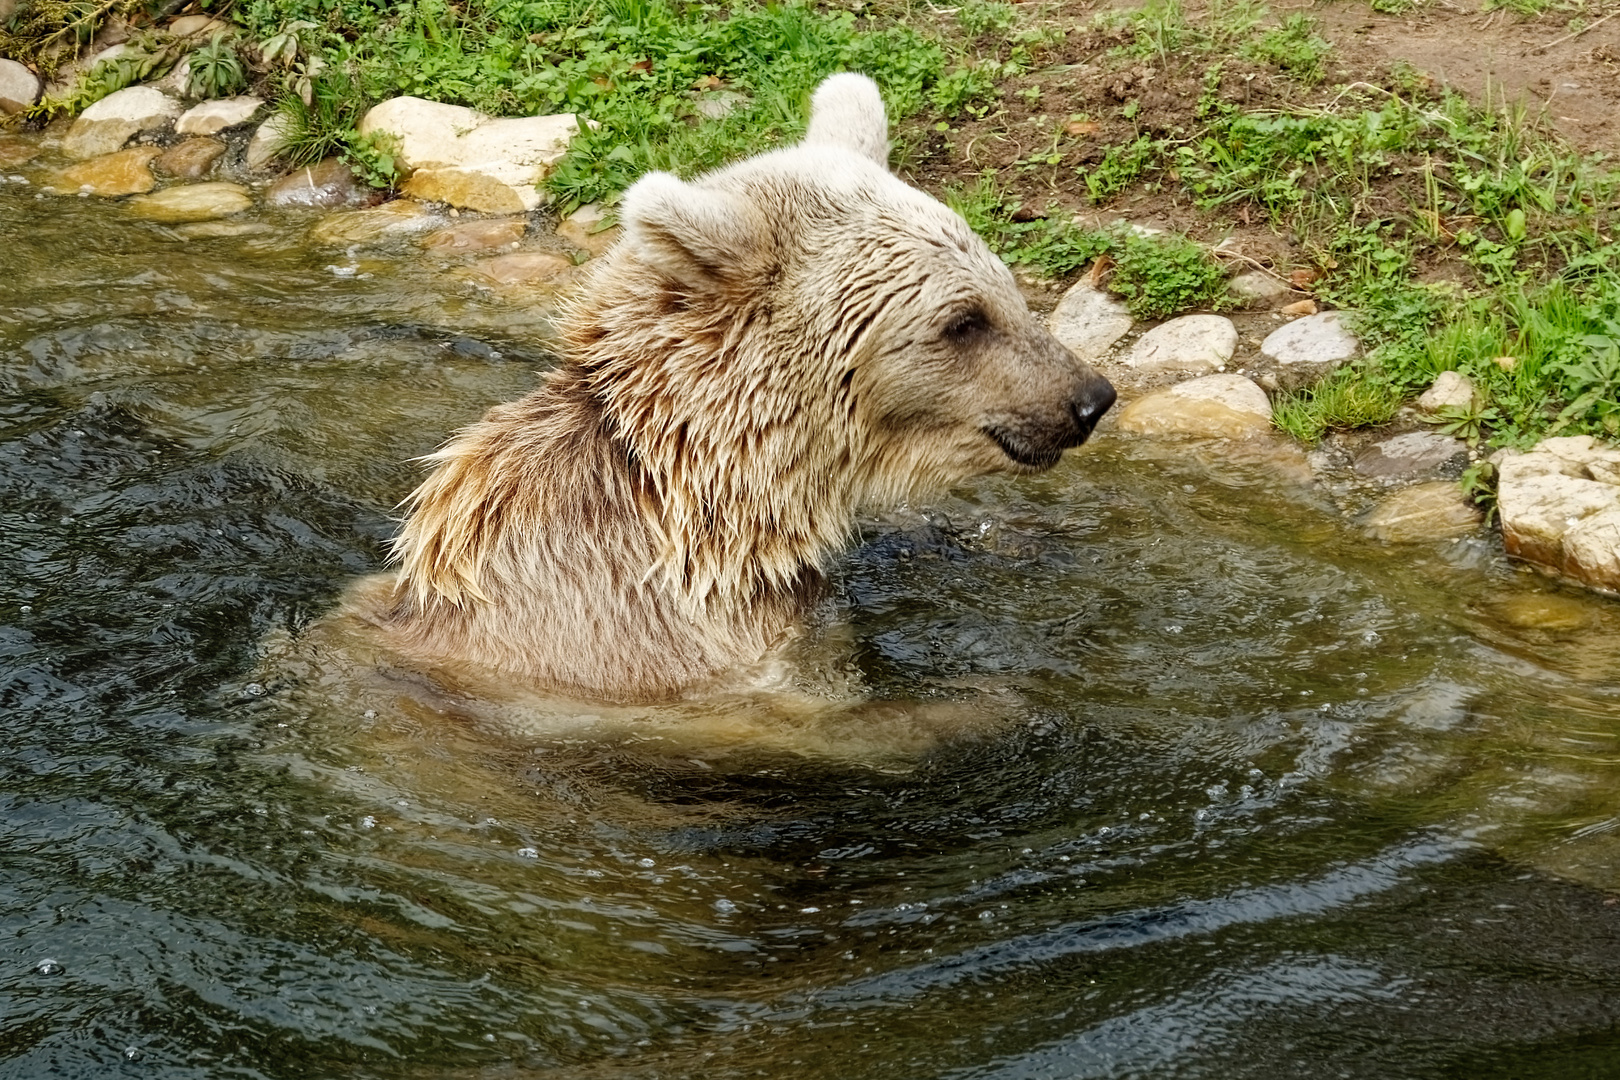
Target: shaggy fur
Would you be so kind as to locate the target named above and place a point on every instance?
(767, 349)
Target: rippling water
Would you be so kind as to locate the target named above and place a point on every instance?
(1254, 798)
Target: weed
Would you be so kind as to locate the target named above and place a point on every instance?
(1161, 276)
(216, 70)
(1348, 398)
(1294, 46)
(1121, 167)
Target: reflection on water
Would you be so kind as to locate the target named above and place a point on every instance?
(1158, 771)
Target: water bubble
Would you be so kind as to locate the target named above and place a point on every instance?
(528, 852)
(808, 910)
(344, 271)
(26, 608)
(253, 689)
(724, 906)
(646, 862)
(370, 714)
(49, 966)
(1371, 637)
(368, 822)
(987, 914)
(15, 179)
(131, 1053)
(1173, 628)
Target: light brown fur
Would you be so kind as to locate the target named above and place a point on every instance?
(768, 349)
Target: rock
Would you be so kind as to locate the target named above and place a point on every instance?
(719, 104)
(477, 235)
(123, 173)
(1409, 454)
(209, 230)
(523, 268)
(1539, 611)
(14, 151)
(1191, 343)
(470, 189)
(583, 229)
(326, 184)
(1437, 510)
(1450, 390)
(192, 202)
(514, 154)
(215, 116)
(177, 83)
(370, 226)
(267, 142)
(19, 87)
(1316, 340)
(1257, 289)
(109, 123)
(1560, 509)
(189, 160)
(1215, 406)
(200, 26)
(1088, 321)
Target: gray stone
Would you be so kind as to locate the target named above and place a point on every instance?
(1258, 289)
(465, 158)
(110, 122)
(347, 227)
(1560, 509)
(1215, 406)
(267, 142)
(1201, 343)
(1451, 390)
(215, 116)
(1437, 510)
(328, 183)
(19, 87)
(1317, 340)
(192, 202)
(201, 26)
(1410, 453)
(1088, 321)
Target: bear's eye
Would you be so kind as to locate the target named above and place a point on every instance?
(966, 324)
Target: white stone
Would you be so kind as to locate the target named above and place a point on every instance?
(1315, 339)
(1558, 514)
(19, 87)
(109, 123)
(217, 115)
(1261, 289)
(267, 142)
(1407, 454)
(1451, 390)
(1201, 343)
(515, 152)
(200, 26)
(1088, 321)
(1215, 406)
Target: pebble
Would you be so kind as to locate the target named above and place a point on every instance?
(1088, 321)
(1202, 343)
(327, 183)
(1258, 289)
(19, 87)
(1409, 454)
(267, 142)
(583, 229)
(1450, 390)
(109, 123)
(212, 117)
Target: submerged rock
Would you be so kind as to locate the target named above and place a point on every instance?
(1191, 343)
(523, 268)
(110, 122)
(190, 160)
(193, 202)
(215, 116)
(583, 229)
(1088, 321)
(1215, 406)
(1560, 509)
(210, 230)
(14, 151)
(477, 235)
(123, 173)
(1437, 510)
(1410, 453)
(462, 157)
(328, 183)
(371, 226)
(19, 87)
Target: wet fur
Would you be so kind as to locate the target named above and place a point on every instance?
(768, 349)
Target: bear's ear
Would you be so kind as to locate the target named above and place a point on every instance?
(697, 236)
(847, 111)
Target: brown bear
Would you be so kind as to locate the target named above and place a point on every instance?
(767, 349)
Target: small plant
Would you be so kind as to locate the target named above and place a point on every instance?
(1295, 47)
(216, 70)
(321, 127)
(1121, 167)
(375, 159)
(1348, 398)
(986, 16)
(1163, 276)
(282, 48)
(1466, 422)
(1479, 484)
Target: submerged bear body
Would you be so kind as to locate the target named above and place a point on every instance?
(768, 349)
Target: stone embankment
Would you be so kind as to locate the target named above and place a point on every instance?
(213, 168)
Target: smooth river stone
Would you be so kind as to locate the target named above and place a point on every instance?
(477, 235)
(1450, 390)
(1421, 513)
(19, 87)
(109, 123)
(123, 173)
(326, 184)
(193, 202)
(1409, 454)
(190, 160)
(373, 225)
(1560, 509)
(1315, 340)
(523, 268)
(583, 229)
(14, 152)
(1088, 321)
(215, 116)
(1215, 406)
(213, 230)
(1200, 343)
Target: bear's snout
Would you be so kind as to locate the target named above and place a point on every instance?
(1093, 396)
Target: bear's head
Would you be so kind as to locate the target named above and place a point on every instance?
(803, 332)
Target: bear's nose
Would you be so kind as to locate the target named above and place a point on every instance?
(1092, 397)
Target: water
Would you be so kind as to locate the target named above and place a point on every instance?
(1245, 795)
